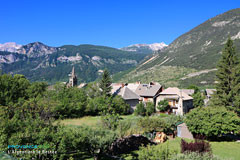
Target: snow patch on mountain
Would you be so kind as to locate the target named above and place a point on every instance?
(10, 47)
(139, 47)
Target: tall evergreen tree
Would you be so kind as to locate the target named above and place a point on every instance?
(105, 83)
(228, 77)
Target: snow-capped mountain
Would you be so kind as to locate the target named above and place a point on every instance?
(145, 48)
(35, 49)
(10, 47)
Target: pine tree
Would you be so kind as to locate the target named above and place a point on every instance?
(105, 83)
(228, 78)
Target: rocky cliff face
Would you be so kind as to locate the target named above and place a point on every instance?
(40, 62)
(36, 49)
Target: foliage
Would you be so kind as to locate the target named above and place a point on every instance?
(123, 128)
(92, 90)
(97, 141)
(163, 106)
(140, 109)
(105, 83)
(199, 146)
(155, 152)
(27, 122)
(120, 106)
(37, 89)
(13, 88)
(171, 123)
(228, 77)
(71, 101)
(198, 100)
(150, 124)
(194, 87)
(212, 121)
(110, 120)
(97, 105)
(195, 156)
(150, 108)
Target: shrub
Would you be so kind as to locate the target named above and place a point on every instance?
(150, 109)
(171, 123)
(199, 146)
(195, 156)
(163, 106)
(155, 152)
(110, 121)
(123, 128)
(140, 109)
(212, 122)
(150, 124)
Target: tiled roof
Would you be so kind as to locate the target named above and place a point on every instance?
(148, 90)
(176, 91)
(126, 93)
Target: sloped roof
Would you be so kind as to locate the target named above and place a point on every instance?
(126, 93)
(133, 86)
(148, 90)
(115, 87)
(176, 91)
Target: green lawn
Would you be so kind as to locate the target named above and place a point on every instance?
(225, 150)
(95, 121)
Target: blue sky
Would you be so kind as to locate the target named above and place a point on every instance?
(114, 23)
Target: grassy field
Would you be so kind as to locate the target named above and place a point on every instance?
(95, 121)
(225, 150)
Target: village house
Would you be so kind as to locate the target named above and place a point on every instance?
(179, 101)
(127, 94)
(148, 92)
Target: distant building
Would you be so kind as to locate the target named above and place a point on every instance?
(128, 95)
(148, 92)
(179, 101)
(72, 79)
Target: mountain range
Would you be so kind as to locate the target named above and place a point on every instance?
(145, 48)
(40, 62)
(192, 57)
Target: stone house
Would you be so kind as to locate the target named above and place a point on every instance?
(179, 101)
(148, 92)
(127, 94)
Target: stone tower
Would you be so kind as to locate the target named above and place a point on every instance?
(72, 79)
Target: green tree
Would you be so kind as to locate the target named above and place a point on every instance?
(163, 106)
(13, 88)
(150, 108)
(120, 106)
(105, 83)
(37, 89)
(198, 99)
(212, 121)
(140, 109)
(228, 77)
